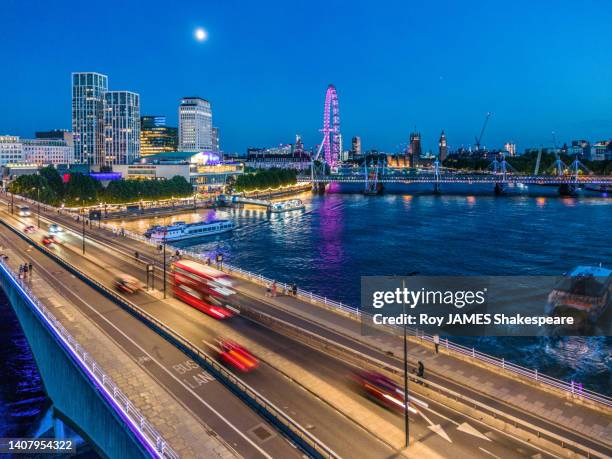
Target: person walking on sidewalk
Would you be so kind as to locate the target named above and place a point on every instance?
(294, 289)
(421, 370)
(274, 288)
(436, 341)
(30, 268)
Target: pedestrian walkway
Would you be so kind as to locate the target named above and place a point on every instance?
(527, 397)
(185, 433)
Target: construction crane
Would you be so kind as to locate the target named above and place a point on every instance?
(484, 126)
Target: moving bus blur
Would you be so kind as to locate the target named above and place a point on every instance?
(23, 211)
(203, 287)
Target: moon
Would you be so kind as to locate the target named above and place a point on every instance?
(200, 34)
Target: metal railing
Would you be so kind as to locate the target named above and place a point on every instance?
(150, 438)
(571, 388)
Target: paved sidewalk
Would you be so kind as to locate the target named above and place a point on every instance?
(528, 398)
(185, 434)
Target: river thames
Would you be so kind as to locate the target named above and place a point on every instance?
(340, 237)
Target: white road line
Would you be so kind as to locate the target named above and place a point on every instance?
(489, 453)
(169, 372)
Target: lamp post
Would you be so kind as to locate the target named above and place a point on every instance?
(38, 201)
(83, 218)
(12, 203)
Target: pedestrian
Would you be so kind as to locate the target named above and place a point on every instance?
(436, 341)
(30, 268)
(208, 261)
(25, 270)
(274, 288)
(421, 370)
(20, 271)
(294, 289)
(269, 290)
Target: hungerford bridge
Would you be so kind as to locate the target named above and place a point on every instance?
(375, 175)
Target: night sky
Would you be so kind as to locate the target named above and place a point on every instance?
(538, 65)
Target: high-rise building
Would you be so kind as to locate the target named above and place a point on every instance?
(156, 137)
(121, 127)
(195, 125)
(88, 89)
(356, 146)
(11, 150)
(415, 148)
(216, 142)
(510, 147)
(442, 148)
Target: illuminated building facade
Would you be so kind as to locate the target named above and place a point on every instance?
(156, 137)
(88, 89)
(442, 148)
(195, 125)
(121, 127)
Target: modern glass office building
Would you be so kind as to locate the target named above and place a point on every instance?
(88, 89)
(156, 137)
(195, 125)
(121, 127)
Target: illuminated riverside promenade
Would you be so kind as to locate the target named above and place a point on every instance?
(253, 300)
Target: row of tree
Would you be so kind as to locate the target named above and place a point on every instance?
(82, 189)
(264, 179)
(525, 164)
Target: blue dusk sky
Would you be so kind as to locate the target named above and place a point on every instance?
(538, 65)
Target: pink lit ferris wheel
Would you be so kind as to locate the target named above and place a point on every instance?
(331, 128)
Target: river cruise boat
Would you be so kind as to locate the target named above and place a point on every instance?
(584, 293)
(181, 230)
(286, 206)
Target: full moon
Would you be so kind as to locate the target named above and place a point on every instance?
(200, 34)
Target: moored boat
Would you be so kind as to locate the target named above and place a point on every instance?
(181, 230)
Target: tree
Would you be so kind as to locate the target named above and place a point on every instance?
(54, 179)
(81, 189)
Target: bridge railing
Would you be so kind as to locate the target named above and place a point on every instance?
(150, 438)
(573, 389)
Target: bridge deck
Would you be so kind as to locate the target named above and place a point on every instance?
(161, 382)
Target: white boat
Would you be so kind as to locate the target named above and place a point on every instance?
(286, 206)
(181, 230)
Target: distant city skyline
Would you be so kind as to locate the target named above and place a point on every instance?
(435, 67)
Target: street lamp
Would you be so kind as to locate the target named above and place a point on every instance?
(38, 201)
(83, 218)
(162, 246)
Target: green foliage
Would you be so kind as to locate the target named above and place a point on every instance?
(119, 191)
(82, 189)
(31, 185)
(54, 180)
(263, 179)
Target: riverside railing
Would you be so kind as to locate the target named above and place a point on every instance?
(572, 388)
(146, 434)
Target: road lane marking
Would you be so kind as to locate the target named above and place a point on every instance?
(467, 428)
(489, 453)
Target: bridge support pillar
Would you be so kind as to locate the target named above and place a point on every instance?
(318, 187)
(499, 189)
(437, 188)
(567, 189)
